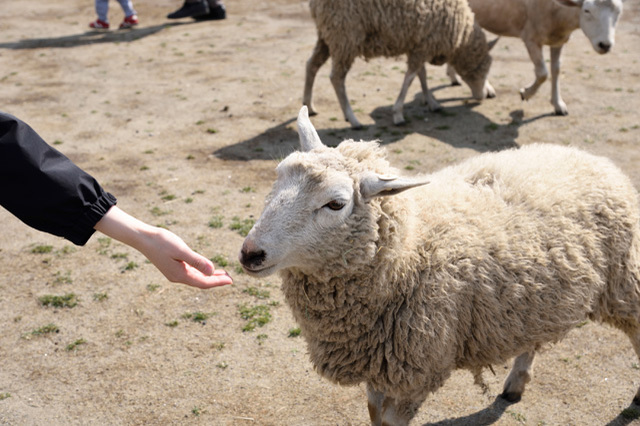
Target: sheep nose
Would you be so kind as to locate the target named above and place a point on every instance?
(604, 46)
(251, 256)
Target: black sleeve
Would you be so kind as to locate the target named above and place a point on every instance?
(45, 189)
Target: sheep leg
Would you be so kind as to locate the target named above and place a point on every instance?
(519, 376)
(318, 57)
(375, 400)
(634, 336)
(558, 104)
(398, 412)
(339, 70)
(453, 77)
(535, 53)
(398, 116)
(427, 95)
(385, 411)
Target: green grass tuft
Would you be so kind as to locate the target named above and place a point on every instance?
(256, 316)
(216, 222)
(201, 317)
(294, 332)
(242, 227)
(42, 249)
(257, 293)
(74, 346)
(46, 329)
(68, 300)
(100, 297)
(220, 260)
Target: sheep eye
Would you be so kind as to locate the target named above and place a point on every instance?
(334, 205)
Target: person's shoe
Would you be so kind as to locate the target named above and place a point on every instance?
(218, 12)
(129, 22)
(99, 25)
(190, 10)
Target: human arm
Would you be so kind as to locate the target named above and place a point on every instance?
(48, 192)
(167, 251)
(43, 188)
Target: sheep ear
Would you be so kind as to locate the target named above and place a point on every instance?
(374, 185)
(571, 3)
(492, 43)
(309, 138)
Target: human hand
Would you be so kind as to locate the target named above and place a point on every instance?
(172, 256)
(179, 264)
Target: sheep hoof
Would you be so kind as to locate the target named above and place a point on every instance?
(512, 397)
(456, 83)
(561, 110)
(310, 109)
(398, 118)
(434, 106)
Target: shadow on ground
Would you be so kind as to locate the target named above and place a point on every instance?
(484, 417)
(498, 407)
(629, 415)
(459, 126)
(90, 37)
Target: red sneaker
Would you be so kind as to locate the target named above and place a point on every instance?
(129, 21)
(99, 25)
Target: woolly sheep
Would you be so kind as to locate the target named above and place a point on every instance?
(435, 31)
(548, 22)
(491, 259)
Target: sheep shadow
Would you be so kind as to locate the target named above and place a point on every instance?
(89, 37)
(498, 407)
(484, 417)
(629, 415)
(459, 126)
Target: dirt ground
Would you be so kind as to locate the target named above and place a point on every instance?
(184, 122)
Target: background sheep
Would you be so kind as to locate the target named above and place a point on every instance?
(494, 258)
(435, 31)
(548, 22)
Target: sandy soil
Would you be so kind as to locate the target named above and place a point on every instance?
(184, 122)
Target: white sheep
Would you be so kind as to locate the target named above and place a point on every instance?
(435, 31)
(491, 259)
(548, 23)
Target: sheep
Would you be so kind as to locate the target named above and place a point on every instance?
(435, 31)
(398, 281)
(548, 22)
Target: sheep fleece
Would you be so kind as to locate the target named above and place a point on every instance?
(372, 28)
(495, 257)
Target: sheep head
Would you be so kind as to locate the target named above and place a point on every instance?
(473, 61)
(319, 215)
(598, 19)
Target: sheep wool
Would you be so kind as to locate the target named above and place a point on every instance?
(434, 31)
(492, 258)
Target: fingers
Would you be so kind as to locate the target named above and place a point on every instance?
(200, 262)
(180, 264)
(196, 278)
(200, 272)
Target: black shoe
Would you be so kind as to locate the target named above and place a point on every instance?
(218, 12)
(190, 10)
